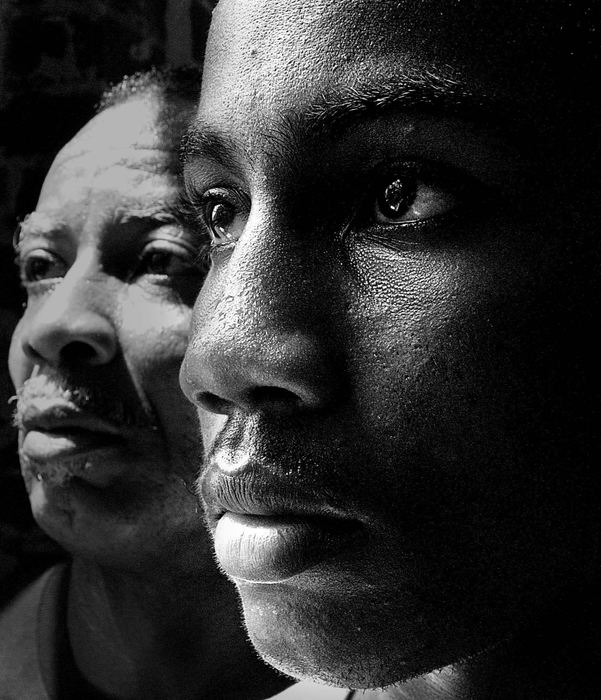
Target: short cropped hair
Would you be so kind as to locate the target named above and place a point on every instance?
(172, 83)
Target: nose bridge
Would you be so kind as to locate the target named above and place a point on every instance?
(77, 293)
(259, 327)
(74, 318)
(268, 283)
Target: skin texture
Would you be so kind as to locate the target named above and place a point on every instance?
(99, 317)
(111, 272)
(430, 378)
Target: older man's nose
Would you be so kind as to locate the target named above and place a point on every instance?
(70, 327)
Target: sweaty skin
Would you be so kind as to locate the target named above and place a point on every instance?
(396, 333)
(108, 446)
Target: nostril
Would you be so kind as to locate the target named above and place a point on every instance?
(274, 397)
(78, 352)
(267, 398)
(212, 402)
(31, 352)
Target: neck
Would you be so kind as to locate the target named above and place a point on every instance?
(162, 635)
(556, 657)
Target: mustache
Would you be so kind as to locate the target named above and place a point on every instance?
(101, 401)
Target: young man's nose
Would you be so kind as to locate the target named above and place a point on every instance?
(259, 341)
(71, 326)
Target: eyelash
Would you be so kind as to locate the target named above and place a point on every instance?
(193, 207)
(469, 195)
(453, 190)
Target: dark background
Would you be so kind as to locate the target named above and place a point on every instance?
(56, 58)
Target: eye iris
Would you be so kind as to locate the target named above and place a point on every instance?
(158, 262)
(222, 217)
(36, 268)
(396, 198)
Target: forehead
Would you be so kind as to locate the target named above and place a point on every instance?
(282, 55)
(130, 148)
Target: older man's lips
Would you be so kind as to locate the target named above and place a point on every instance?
(266, 531)
(60, 443)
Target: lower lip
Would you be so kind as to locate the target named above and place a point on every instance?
(56, 457)
(262, 549)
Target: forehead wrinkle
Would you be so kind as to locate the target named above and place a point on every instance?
(161, 212)
(168, 161)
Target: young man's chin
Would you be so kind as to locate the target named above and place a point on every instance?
(330, 640)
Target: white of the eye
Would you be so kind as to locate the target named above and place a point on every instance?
(230, 232)
(431, 202)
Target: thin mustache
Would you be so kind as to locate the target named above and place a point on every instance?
(87, 399)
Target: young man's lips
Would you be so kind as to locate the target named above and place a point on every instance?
(268, 528)
(271, 549)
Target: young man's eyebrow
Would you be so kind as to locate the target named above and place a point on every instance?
(332, 112)
(202, 139)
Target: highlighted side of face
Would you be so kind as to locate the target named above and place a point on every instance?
(391, 353)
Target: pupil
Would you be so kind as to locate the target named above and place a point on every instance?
(221, 219)
(37, 268)
(157, 262)
(397, 197)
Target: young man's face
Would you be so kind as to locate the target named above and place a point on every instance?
(108, 445)
(392, 353)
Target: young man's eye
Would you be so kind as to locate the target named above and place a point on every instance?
(39, 265)
(225, 214)
(411, 194)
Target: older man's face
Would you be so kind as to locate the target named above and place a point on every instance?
(392, 352)
(108, 445)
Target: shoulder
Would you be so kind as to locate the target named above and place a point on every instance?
(19, 654)
(306, 690)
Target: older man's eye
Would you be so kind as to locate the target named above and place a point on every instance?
(166, 259)
(225, 215)
(410, 195)
(40, 264)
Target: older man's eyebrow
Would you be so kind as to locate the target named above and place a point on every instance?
(37, 224)
(161, 212)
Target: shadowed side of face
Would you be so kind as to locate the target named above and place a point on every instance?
(392, 353)
(108, 446)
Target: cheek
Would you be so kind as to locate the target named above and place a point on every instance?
(154, 339)
(458, 338)
(465, 375)
(20, 367)
(154, 335)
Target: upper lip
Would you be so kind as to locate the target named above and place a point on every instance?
(257, 490)
(57, 416)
